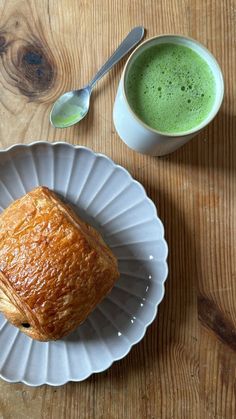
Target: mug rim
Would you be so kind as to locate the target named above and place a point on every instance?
(206, 121)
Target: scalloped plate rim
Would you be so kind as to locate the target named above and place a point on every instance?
(165, 275)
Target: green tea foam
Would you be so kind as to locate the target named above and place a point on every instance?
(170, 88)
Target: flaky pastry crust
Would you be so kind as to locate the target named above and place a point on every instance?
(54, 268)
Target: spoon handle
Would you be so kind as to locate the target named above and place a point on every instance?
(129, 42)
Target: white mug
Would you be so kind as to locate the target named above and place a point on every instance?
(139, 136)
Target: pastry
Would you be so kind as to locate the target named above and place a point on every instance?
(54, 268)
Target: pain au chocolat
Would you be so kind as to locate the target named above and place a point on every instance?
(54, 268)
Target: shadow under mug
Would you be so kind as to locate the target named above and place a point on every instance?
(139, 136)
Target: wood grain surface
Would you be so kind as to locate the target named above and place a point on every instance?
(185, 367)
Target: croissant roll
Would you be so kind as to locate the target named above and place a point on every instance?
(54, 268)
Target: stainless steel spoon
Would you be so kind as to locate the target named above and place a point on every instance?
(72, 106)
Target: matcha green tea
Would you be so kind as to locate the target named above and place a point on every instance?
(170, 88)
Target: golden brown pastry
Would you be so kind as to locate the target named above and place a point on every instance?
(54, 268)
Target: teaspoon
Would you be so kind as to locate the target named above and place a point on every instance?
(72, 106)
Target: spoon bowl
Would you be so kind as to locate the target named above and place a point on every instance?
(73, 106)
(70, 108)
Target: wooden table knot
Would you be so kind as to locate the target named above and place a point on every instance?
(214, 319)
(3, 45)
(28, 64)
(36, 66)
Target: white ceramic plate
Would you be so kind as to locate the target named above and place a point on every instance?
(105, 195)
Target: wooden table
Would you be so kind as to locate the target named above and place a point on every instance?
(185, 365)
